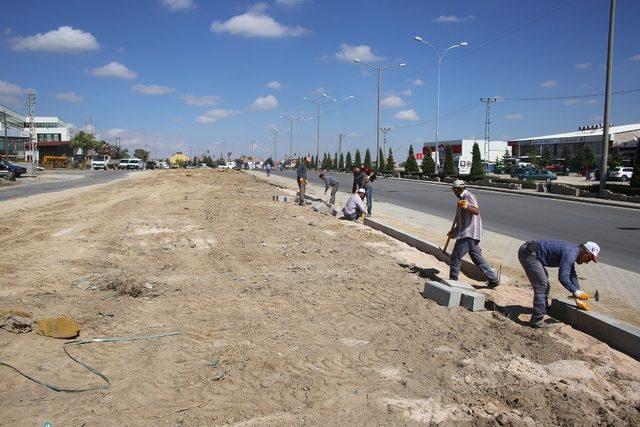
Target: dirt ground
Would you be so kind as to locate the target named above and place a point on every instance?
(287, 317)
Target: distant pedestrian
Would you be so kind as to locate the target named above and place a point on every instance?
(368, 186)
(330, 181)
(267, 169)
(535, 256)
(358, 179)
(301, 176)
(354, 208)
(467, 231)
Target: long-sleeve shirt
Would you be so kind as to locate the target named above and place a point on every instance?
(352, 202)
(329, 181)
(301, 172)
(358, 181)
(557, 253)
(468, 224)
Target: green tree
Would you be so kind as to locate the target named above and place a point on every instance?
(390, 163)
(381, 160)
(348, 162)
(367, 159)
(358, 160)
(566, 155)
(335, 161)
(545, 159)
(615, 158)
(85, 141)
(411, 166)
(635, 178)
(477, 168)
(449, 166)
(141, 154)
(341, 162)
(533, 155)
(428, 165)
(588, 158)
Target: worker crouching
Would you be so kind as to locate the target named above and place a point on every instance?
(354, 208)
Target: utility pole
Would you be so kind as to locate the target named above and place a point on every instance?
(340, 138)
(31, 105)
(487, 127)
(275, 145)
(385, 131)
(607, 101)
(6, 138)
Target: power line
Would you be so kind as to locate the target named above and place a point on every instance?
(553, 98)
(463, 109)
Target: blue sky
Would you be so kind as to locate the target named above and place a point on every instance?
(197, 75)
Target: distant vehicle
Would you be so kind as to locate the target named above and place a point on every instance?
(163, 165)
(100, 162)
(13, 168)
(537, 175)
(463, 164)
(621, 173)
(131, 164)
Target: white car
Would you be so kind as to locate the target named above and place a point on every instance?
(622, 173)
(100, 162)
(130, 164)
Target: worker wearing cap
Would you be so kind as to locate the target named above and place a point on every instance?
(330, 182)
(301, 177)
(535, 256)
(354, 208)
(467, 230)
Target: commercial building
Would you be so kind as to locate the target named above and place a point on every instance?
(624, 138)
(464, 148)
(51, 133)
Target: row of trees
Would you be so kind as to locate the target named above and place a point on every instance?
(89, 144)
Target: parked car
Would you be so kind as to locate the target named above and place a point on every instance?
(100, 162)
(15, 169)
(621, 173)
(130, 164)
(538, 175)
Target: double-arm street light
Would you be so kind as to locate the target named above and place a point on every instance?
(338, 101)
(439, 56)
(291, 120)
(318, 104)
(379, 69)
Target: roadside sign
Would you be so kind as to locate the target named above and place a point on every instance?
(419, 156)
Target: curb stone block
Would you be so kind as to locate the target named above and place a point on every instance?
(457, 284)
(473, 301)
(442, 294)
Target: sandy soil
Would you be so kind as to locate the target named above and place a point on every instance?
(287, 317)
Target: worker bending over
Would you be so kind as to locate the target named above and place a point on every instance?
(467, 230)
(534, 256)
(354, 208)
(330, 181)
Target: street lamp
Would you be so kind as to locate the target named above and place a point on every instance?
(380, 70)
(439, 56)
(275, 142)
(291, 120)
(318, 104)
(338, 138)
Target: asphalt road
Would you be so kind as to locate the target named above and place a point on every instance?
(25, 189)
(616, 230)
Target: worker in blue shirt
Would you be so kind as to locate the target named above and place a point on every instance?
(536, 255)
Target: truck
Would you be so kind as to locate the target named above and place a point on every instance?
(100, 161)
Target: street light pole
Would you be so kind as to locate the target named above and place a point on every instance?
(439, 57)
(385, 131)
(338, 101)
(607, 101)
(380, 70)
(318, 104)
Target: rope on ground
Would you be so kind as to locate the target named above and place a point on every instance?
(99, 374)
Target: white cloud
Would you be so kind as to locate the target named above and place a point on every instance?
(268, 102)
(10, 93)
(454, 19)
(515, 116)
(290, 3)
(212, 116)
(549, 83)
(274, 85)
(362, 52)
(410, 115)
(406, 92)
(583, 65)
(592, 101)
(70, 97)
(177, 5)
(63, 40)
(199, 100)
(636, 58)
(255, 23)
(152, 89)
(392, 101)
(418, 82)
(570, 102)
(115, 70)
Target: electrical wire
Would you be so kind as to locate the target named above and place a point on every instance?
(553, 98)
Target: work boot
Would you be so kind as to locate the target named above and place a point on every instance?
(539, 324)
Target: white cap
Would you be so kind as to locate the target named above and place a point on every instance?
(362, 190)
(592, 248)
(458, 183)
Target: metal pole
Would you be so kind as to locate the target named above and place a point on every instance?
(607, 101)
(318, 136)
(338, 127)
(291, 138)
(438, 115)
(378, 120)
(6, 138)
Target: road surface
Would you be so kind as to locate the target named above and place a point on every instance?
(49, 184)
(616, 230)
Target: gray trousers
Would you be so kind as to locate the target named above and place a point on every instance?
(303, 189)
(334, 190)
(539, 278)
(470, 246)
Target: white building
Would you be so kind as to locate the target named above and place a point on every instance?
(464, 148)
(51, 134)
